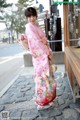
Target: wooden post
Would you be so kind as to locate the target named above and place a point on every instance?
(66, 30)
(66, 27)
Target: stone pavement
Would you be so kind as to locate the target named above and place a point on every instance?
(18, 101)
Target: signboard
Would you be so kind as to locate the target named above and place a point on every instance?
(66, 2)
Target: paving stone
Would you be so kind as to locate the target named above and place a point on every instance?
(60, 81)
(2, 108)
(15, 114)
(70, 114)
(30, 115)
(70, 97)
(50, 112)
(56, 112)
(64, 106)
(45, 113)
(59, 117)
(75, 106)
(63, 88)
(6, 101)
(24, 94)
(60, 100)
(20, 99)
(59, 92)
(65, 95)
(72, 106)
(44, 118)
(67, 89)
(21, 95)
(68, 101)
(25, 89)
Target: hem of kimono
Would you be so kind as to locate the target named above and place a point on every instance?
(47, 101)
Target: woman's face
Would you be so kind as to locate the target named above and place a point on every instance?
(32, 19)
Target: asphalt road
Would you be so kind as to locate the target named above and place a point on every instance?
(11, 61)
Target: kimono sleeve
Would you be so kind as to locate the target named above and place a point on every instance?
(36, 46)
(33, 39)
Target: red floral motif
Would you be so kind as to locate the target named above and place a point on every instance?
(39, 91)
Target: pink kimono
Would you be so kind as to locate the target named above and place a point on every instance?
(45, 87)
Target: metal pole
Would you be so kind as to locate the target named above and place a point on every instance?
(50, 7)
(50, 23)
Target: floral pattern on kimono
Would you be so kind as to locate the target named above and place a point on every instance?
(40, 50)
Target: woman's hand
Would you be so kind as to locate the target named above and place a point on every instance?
(50, 56)
(44, 41)
(24, 42)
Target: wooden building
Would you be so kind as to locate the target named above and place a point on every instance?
(72, 52)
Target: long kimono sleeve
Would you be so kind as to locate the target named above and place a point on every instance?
(37, 48)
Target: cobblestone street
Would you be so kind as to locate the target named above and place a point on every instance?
(19, 104)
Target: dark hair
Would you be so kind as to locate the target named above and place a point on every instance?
(30, 12)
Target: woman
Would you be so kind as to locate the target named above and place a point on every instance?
(36, 42)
